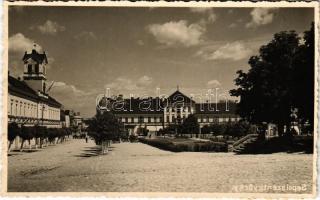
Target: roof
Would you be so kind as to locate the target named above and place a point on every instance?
(178, 97)
(21, 89)
(34, 55)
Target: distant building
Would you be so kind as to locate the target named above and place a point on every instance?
(65, 118)
(156, 113)
(28, 101)
(76, 121)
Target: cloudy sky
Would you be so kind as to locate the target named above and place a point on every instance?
(136, 50)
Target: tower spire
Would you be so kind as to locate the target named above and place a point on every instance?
(177, 87)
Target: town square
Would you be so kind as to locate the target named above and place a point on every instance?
(161, 99)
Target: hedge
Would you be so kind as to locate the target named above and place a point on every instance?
(186, 146)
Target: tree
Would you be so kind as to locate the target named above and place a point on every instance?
(304, 76)
(13, 131)
(265, 91)
(104, 127)
(40, 132)
(239, 129)
(190, 125)
(52, 135)
(26, 134)
(218, 129)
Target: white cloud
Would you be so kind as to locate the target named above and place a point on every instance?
(230, 51)
(261, 16)
(125, 85)
(140, 42)
(18, 43)
(232, 25)
(144, 81)
(213, 83)
(177, 33)
(74, 98)
(86, 35)
(65, 90)
(200, 9)
(50, 28)
(211, 16)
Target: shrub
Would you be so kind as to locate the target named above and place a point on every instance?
(133, 138)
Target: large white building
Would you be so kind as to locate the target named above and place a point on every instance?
(28, 101)
(156, 113)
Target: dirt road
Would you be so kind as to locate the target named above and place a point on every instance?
(135, 167)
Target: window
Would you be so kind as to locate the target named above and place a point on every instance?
(11, 105)
(37, 68)
(168, 119)
(199, 120)
(29, 68)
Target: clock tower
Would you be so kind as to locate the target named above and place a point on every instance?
(34, 73)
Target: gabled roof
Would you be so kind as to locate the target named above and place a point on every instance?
(21, 89)
(178, 96)
(34, 55)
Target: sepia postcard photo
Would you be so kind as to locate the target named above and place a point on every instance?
(160, 99)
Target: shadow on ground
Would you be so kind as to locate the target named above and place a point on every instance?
(92, 151)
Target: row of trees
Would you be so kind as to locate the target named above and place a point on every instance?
(234, 129)
(280, 80)
(41, 134)
(191, 126)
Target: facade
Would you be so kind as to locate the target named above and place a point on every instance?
(156, 113)
(75, 121)
(65, 118)
(28, 101)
